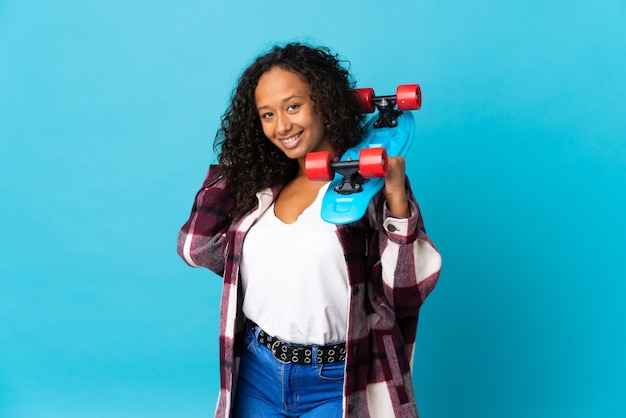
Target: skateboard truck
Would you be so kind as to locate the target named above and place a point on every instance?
(352, 180)
(372, 163)
(387, 115)
(407, 97)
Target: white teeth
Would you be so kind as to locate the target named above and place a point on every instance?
(290, 140)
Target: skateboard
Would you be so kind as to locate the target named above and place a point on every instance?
(359, 175)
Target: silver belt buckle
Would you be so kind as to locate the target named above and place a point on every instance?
(275, 346)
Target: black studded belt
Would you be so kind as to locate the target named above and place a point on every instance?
(301, 354)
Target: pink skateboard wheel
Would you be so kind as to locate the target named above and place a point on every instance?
(317, 166)
(365, 98)
(409, 97)
(373, 162)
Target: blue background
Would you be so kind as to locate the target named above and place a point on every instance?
(107, 117)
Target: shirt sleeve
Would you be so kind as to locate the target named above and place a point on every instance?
(202, 239)
(410, 262)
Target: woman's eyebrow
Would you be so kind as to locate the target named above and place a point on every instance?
(286, 99)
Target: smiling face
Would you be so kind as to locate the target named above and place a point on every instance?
(287, 113)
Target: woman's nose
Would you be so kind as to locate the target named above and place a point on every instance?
(284, 125)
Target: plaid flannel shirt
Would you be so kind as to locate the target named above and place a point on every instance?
(392, 267)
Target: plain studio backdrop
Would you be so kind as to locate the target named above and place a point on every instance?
(108, 111)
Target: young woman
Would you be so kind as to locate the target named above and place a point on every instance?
(317, 320)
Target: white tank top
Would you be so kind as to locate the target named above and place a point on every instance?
(295, 279)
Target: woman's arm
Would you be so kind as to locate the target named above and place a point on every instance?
(409, 261)
(202, 239)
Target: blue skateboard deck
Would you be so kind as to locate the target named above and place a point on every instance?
(338, 208)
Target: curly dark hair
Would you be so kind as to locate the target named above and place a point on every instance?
(247, 159)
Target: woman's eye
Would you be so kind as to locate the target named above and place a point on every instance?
(266, 115)
(293, 107)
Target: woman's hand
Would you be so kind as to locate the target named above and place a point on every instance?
(395, 188)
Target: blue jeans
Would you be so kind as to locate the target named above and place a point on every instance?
(269, 388)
